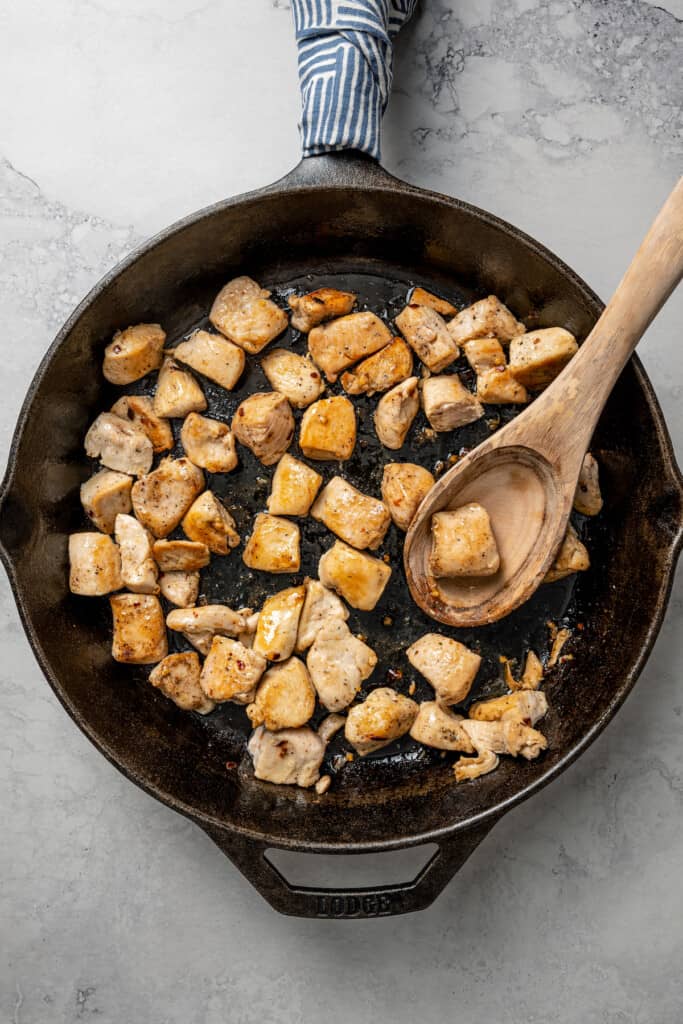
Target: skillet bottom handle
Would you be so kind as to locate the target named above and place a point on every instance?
(384, 901)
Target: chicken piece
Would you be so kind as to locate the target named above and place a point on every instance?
(278, 623)
(119, 444)
(320, 606)
(497, 386)
(177, 676)
(208, 521)
(446, 664)
(357, 577)
(328, 430)
(463, 543)
(273, 545)
(209, 443)
(231, 671)
(487, 317)
(323, 784)
(507, 736)
(139, 571)
(427, 334)
(357, 518)
(338, 662)
(180, 555)
(213, 356)
(315, 307)
(527, 706)
(588, 499)
(532, 676)
(381, 371)
(244, 313)
(484, 353)
(132, 353)
(395, 413)
(572, 557)
(421, 297)
(264, 424)
(177, 392)
(383, 717)
(94, 564)
(140, 410)
(161, 499)
(330, 726)
(536, 358)
(104, 496)
(469, 768)
(285, 698)
(404, 485)
(180, 587)
(206, 622)
(440, 728)
(448, 404)
(139, 630)
(294, 487)
(342, 342)
(291, 757)
(293, 376)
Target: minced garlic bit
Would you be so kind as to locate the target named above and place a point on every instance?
(412, 688)
(559, 638)
(323, 784)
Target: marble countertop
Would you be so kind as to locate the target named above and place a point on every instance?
(562, 116)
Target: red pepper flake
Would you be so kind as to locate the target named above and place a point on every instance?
(231, 765)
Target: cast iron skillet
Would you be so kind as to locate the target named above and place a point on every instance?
(337, 218)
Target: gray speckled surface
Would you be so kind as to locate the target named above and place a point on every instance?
(561, 116)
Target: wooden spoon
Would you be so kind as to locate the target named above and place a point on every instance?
(526, 474)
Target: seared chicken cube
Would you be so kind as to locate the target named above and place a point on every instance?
(328, 430)
(277, 627)
(119, 444)
(421, 297)
(536, 358)
(427, 334)
(497, 386)
(294, 376)
(209, 522)
(315, 307)
(338, 662)
(180, 555)
(294, 487)
(104, 496)
(285, 698)
(527, 706)
(357, 518)
(404, 485)
(161, 499)
(177, 392)
(383, 717)
(139, 629)
(132, 353)
(201, 625)
(291, 757)
(438, 727)
(177, 676)
(320, 605)
(180, 587)
(487, 317)
(463, 543)
(213, 356)
(381, 371)
(448, 404)
(94, 564)
(273, 545)
(245, 313)
(209, 443)
(342, 342)
(484, 353)
(231, 671)
(359, 578)
(395, 413)
(264, 424)
(139, 571)
(588, 499)
(140, 410)
(446, 664)
(572, 557)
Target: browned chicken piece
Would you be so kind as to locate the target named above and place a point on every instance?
(356, 576)
(119, 444)
(328, 430)
(336, 345)
(264, 424)
(231, 671)
(485, 318)
(180, 587)
(357, 518)
(180, 555)
(441, 728)
(395, 413)
(380, 371)
(104, 496)
(177, 676)
(484, 353)
(383, 717)
(497, 386)
(421, 297)
(209, 443)
(588, 499)
(527, 706)
(532, 676)
(330, 726)
(463, 543)
(291, 757)
(572, 557)
(177, 392)
(94, 564)
(446, 664)
(140, 410)
(404, 485)
(536, 358)
(322, 304)
(294, 376)
(273, 545)
(245, 313)
(492, 738)
(139, 571)
(448, 404)
(139, 629)
(427, 334)
(278, 623)
(161, 499)
(132, 353)
(294, 487)
(285, 698)
(213, 356)
(320, 605)
(468, 768)
(209, 522)
(338, 662)
(201, 625)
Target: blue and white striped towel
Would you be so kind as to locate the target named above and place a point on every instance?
(345, 64)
